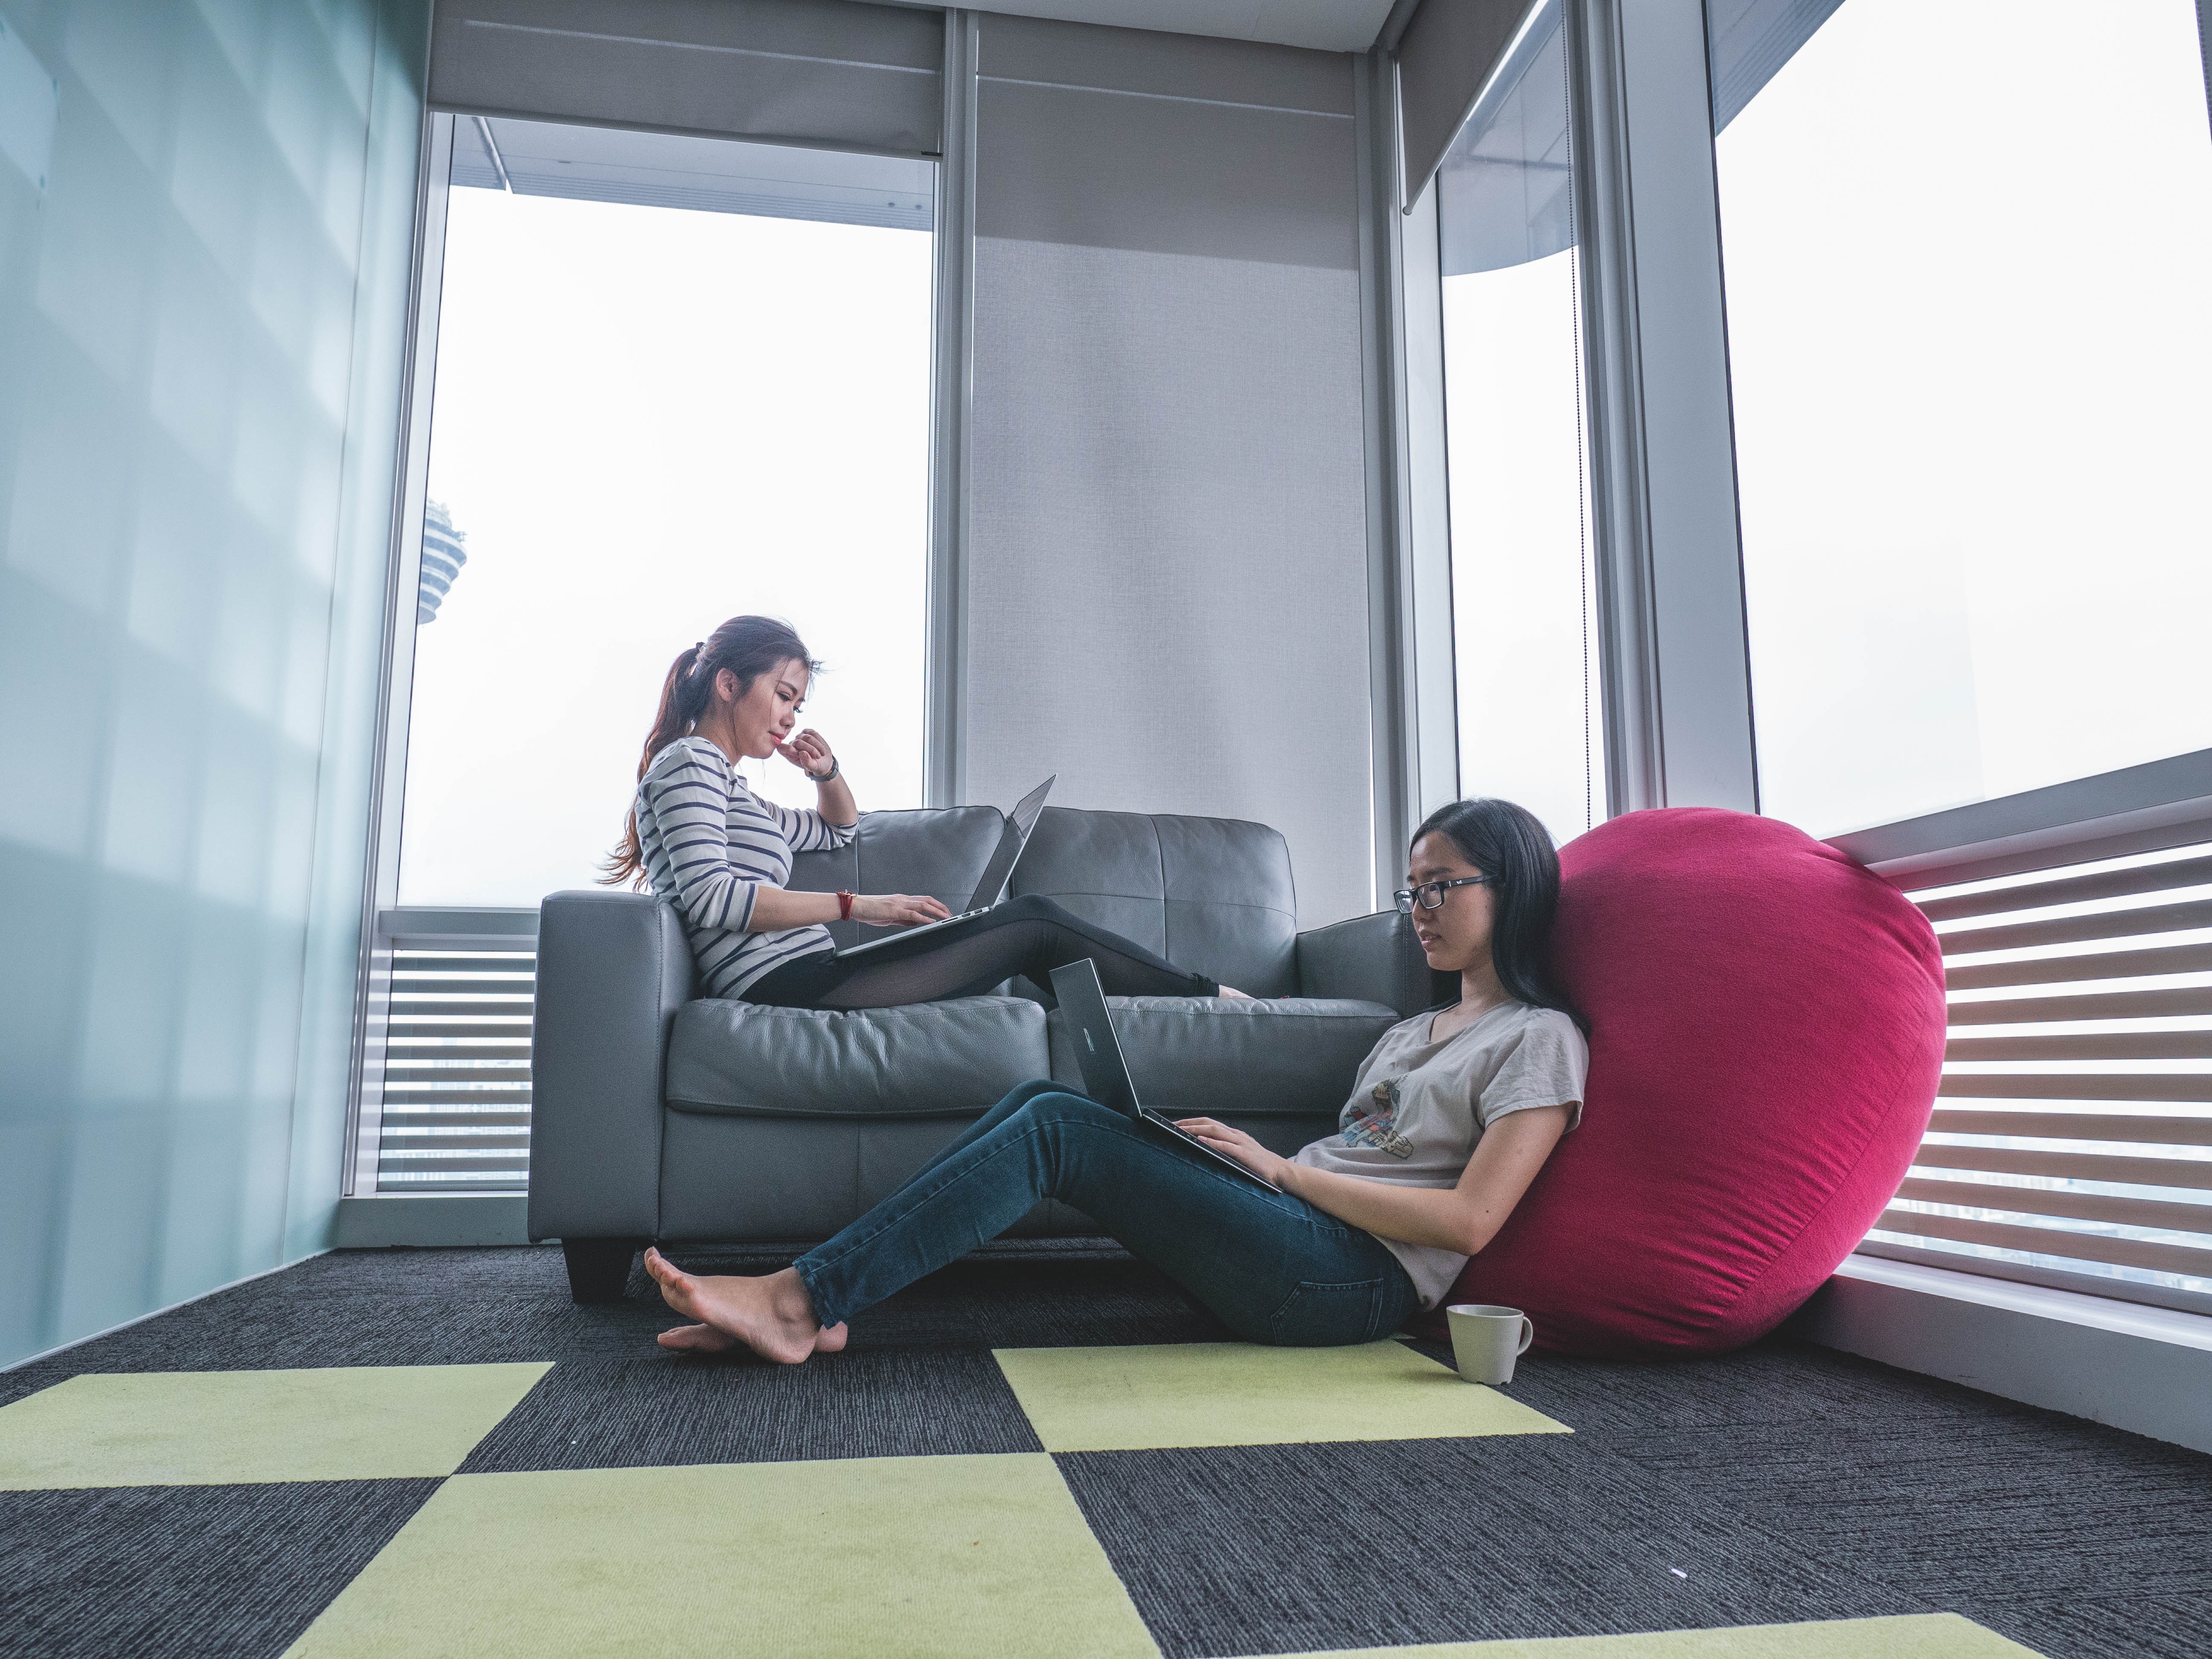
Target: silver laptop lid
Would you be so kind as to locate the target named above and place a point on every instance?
(1098, 1050)
(1011, 840)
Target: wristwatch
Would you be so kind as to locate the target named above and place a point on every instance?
(836, 766)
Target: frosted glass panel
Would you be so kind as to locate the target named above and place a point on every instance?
(187, 429)
(1968, 244)
(649, 419)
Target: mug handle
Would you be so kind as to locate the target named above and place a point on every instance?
(1528, 1335)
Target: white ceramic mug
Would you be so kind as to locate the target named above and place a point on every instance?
(1487, 1340)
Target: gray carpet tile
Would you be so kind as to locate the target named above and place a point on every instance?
(158, 1571)
(2118, 1627)
(1777, 1381)
(1954, 1507)
(1272, 1549)
(623, 1414)
(463, 1307)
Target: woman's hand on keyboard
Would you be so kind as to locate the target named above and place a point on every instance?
(896, 910)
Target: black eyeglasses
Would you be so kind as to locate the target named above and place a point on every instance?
(1430, 894)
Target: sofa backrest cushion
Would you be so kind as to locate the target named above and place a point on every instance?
(1212, 895)
(939, 851)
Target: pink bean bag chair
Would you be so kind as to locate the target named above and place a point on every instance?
(1766, 1030)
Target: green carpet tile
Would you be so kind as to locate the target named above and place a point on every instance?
(1784, 1503)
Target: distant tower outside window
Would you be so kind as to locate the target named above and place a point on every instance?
(443, 555)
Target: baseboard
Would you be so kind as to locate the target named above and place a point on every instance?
(2145, 1369)
(430, 1219)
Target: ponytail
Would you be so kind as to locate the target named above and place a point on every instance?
(748, 646)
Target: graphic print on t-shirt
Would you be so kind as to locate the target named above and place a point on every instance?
(1378, 1127)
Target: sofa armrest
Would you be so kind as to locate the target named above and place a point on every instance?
(1369, 959)
(612, 970)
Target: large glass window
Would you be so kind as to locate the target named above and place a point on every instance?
(677, 380)
(1968, 246)
(1524, 623)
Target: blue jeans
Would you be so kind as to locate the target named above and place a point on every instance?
(1270, 1267)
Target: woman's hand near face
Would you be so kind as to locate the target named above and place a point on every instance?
(894, 910)
(809, 752)
(1235, 1143)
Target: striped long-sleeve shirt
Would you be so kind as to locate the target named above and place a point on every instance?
(710, 846)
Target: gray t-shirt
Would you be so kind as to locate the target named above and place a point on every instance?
(1417, 1106)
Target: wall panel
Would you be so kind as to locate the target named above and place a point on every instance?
(187, 302)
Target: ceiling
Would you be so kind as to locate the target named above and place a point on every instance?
(1325, 24)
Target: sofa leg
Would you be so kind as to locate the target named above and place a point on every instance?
(598, 1267)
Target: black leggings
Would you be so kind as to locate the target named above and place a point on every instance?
(1027, 936)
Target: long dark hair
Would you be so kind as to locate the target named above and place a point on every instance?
(1506, 842)
(749, 647)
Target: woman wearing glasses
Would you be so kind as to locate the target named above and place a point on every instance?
(1450, 1117)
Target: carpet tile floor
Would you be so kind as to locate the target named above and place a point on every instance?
(1036, 1452)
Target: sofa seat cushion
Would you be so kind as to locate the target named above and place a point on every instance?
(1288, 1057)
(932, 1059)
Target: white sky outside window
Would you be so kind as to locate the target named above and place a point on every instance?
(1529, 724)
(1968, 246)
(648, 420)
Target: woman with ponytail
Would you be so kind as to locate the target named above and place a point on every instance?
(721, 854)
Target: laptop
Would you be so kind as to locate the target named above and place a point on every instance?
(1008, 853)
(1105, 1073)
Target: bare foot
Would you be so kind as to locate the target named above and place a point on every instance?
(1231, 991)
(696, 1339)
(705, 1339)
(771, 1316)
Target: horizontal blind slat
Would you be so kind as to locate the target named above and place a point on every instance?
(2058, 970)
(411, 1029)
(2194, 1174)
(488, 1007)
(406, 1095)
(2177, 1215)
(486, 985)
(408, 1159)
(2098, 1045)
(505, 1053)
(2078, 930)
(2077, 1126)
(524, 960)
(2074, 890)
(2188, 1000)
(2048, 1085)
(2052, 1241)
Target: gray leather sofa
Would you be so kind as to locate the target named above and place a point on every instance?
(662, 1117)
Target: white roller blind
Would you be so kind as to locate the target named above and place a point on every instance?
(829, 72)
(1167, 576)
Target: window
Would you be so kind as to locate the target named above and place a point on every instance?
(1524, 634)
(677, 379)
(1968, 244)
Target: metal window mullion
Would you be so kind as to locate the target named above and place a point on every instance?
(1672, 641)
(387, 784)
(1394, 761)
(952, 373)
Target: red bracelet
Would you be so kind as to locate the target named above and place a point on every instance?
(844, 905)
